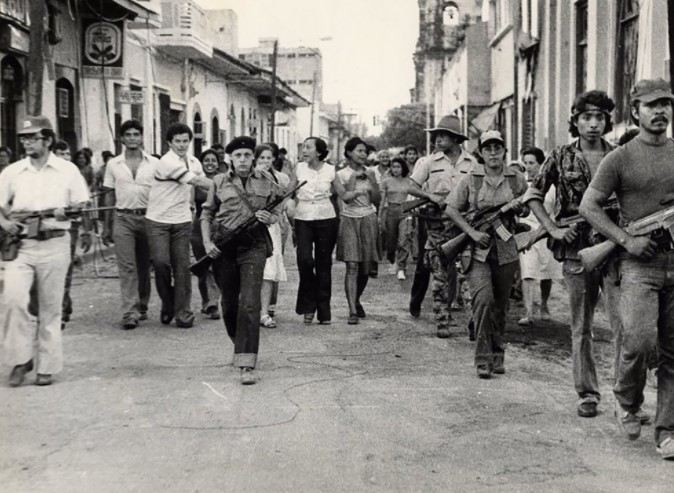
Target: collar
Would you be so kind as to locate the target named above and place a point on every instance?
(53, 161)
(479, 170)
(120, 158)
(464, 156)
(606, 145)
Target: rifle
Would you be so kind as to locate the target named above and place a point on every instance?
(201, 266)
(527, 240)
(408, 205)
(595, 256)
(485, 218)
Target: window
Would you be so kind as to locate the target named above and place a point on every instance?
(626, 61)
(581, 46)
(63, 102)
(450, 14)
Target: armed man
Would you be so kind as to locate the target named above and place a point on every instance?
(440, 173)
(641, 175)
(39, 183)
(570, 168)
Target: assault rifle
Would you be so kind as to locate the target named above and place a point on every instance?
(202, 265)
(408, 205)
(484, 219)
(595, 256)
(530, 238)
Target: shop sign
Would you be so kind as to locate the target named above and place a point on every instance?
(103, 49)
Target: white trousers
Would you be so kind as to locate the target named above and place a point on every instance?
(46, 262)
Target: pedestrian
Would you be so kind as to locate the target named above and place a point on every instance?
(358, 225)
(315, 226)
(208, 288)
(411, 155)
(233, 198)
(82, 160)
(169, 223)
(434, 178)
(537, 265)
(490, 262)
(569, 168)
(62, 149)
(274, 269)
(641, 176)
(393, 195)
(130, 177)
(5, 157)
(38, 182)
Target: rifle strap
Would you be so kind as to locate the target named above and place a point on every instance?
(243, 198)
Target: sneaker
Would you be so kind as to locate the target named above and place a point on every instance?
(267, 322)
(212, 312)
(401, 275)
(629, 424)
(666, 448)
(248, 376)
(484, 372)
(587, 409)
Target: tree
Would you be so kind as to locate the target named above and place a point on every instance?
(405, 125)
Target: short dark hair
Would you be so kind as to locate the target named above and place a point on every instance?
(534, 151)
(321, 147)
(402, 164)
(274, 148)
(206, 153)
(217, 147)
(410, 147)
(88, 151)
(283, 150)
(261, 148)
(84, 153)
(105, 155)
(6, 150)
(132, 124)
(584, 102)
(61, 145)
(48, 133)
(351, 144)
(178, 129)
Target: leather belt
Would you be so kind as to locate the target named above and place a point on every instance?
(49, 234)
(135, 212)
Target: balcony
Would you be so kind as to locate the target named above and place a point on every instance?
(14, 11)
(184, 30)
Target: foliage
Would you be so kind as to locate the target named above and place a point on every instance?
(405, 125)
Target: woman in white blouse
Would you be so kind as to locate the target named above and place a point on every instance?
(316, 225)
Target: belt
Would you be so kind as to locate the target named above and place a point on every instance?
(49, 234)
(135, 212)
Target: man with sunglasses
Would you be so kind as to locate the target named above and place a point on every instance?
(40, 181)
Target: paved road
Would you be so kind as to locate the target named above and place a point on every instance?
(382, 406)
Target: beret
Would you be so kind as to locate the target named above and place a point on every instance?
(240, 143)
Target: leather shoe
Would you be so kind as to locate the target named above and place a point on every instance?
(248, 376)
(629, 424)
(130, 324)
(484, 372)
(19, 372)
(165, 318)
(43, 379)
(353, 319)
(415, 311)
(587, 409)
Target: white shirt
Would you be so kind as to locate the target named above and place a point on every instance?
(23, 188)
(131, 193)
(439, 174)
(313, 199)
(171, 193)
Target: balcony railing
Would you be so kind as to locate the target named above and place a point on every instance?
(15, 9)
(184, 30)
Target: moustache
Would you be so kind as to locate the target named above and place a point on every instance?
(662, 119)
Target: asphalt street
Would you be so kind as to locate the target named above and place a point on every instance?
(382, 406)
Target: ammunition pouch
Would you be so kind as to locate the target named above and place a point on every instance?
(9, 246)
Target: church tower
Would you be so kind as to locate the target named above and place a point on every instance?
(441, 31)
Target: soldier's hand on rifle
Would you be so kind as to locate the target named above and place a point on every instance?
(438, 200)
(211, 250)
(85, 241)
(265, 217)
(480, 238)
(640, 246)
(60, 214)
(12, 227)
(566, 235)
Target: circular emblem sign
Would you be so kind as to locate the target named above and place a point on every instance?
(102, 43)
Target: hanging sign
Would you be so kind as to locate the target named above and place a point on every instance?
(102, 49)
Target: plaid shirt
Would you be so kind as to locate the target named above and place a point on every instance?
(566, 169)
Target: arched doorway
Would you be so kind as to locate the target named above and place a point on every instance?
(198, 134)
(215, 130)
(11, 94)
(65, 113)
(232, 122)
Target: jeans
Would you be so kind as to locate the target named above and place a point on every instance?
(46, 264)
(647, 310)
(490, 285)
(238, 273)
(208, 289)
(315, 244)
(393, 226)
(170, 252)
(133, 263)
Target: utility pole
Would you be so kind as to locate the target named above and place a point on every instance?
(273, 91)
(670, 24)
(35, 62)
(313, 101)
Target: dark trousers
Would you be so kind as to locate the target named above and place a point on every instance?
(67, 305)
(315, 244)
(133, 264)
(207, 287)
(422, 273)
(170, 253)
(238, 273)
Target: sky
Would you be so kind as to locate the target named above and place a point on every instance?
(367, 45)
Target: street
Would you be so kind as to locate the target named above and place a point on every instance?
(381, 406)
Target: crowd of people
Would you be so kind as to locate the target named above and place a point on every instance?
(235, 207)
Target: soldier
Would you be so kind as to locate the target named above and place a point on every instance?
(441, 172)
(40, 181)
(641, 175)
(570, 168)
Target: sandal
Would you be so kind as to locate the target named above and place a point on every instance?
(268, 322)
(308, 318)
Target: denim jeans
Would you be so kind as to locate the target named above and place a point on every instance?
(647, 310)
(133, 263)
(490, 286)
(44, 263)
(315, 244)
(238, 273)
(170, 253)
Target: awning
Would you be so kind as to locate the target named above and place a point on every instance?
(141, 13)
(485, 119)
